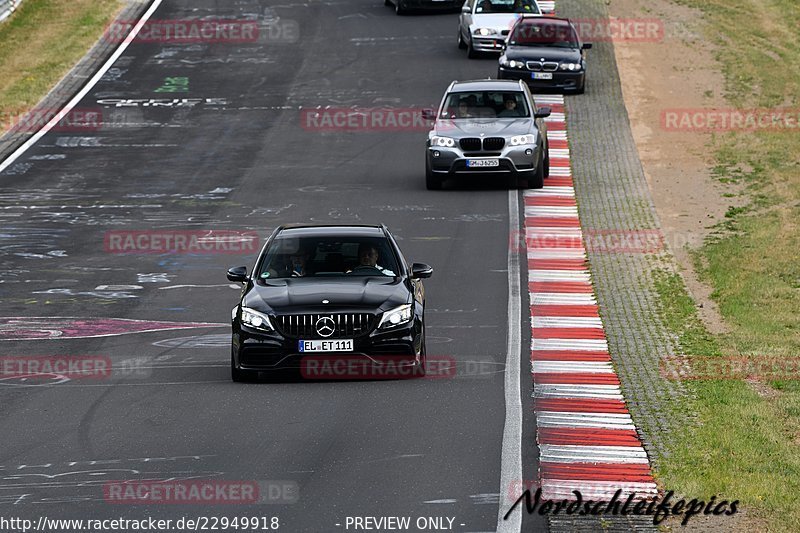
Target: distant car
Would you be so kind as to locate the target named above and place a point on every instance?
(483, 24)
(545, 52)
(401, 7)
(489, 128)
(331, 291)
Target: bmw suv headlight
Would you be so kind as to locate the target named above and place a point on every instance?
(570, 66)
(518, 140)
(447, 142)
(256, 320)
(484, 31)
(395, 317)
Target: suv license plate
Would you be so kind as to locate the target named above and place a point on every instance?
(474, 163)
(338, 345)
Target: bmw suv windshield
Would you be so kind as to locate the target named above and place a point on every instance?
(485, 104)
(544, 33)
(296, 257)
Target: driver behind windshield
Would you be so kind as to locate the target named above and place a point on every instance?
(368, 257)
(506, 6)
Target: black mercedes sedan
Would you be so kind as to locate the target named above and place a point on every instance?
(545, 52)
(336, 302)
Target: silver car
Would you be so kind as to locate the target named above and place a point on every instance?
(484, 24)
(487, 128)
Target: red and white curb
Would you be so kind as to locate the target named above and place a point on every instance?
(587, 439)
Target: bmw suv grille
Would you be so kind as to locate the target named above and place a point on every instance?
(492, 144)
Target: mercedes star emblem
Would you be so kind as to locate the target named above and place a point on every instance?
(325, 326)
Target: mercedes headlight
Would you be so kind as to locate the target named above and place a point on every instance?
(484, 31)
(395, 317)
(570, 66)
(447, 142)
(518, 140)
(256, 320)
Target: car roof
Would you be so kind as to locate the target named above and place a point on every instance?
(331, 230)
(536, 19)
(485, 85)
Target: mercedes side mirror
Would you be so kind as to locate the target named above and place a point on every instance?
(542, 112)
(237, 274)
(421, 271)
(466, 9)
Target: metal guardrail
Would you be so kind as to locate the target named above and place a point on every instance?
(7, 7)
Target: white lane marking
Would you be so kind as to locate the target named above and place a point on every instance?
(554, 390)
(552, 419)
(569, 211)
(557, 253)
(562, 298)
(542, 231)
(566, 322)
(548, 98)
(511, 460)
(558, 453)
(558, 489)
(591, 367)
(560, 172)
(84, 91)
(558, 152)
(558, 275)
(571, 344)
(548, 190)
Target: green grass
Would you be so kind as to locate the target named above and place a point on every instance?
(747, 444)
(743, 445)
(40, 43)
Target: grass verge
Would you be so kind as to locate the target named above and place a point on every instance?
(40, 43)
(747, 444)
(744, 444)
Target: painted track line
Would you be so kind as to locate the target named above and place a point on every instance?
(511, 459)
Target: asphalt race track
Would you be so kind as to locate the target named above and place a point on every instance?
(234, 151)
